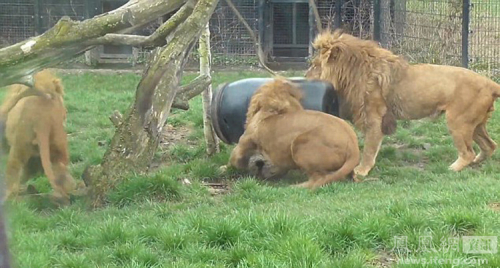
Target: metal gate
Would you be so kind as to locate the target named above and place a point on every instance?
(290, 30)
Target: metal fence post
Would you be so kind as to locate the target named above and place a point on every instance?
(465, 33)
(338, 14)
(312, 31)
(261, 24)
(37, 20)
(376, 20)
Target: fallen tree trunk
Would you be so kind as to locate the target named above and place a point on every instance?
(136, 139)
(69, 38)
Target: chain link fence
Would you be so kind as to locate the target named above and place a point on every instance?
(17, 21)
(423, 31)
(454, 32)
(484, 36)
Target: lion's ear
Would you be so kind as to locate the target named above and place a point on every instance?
(58, 86)
(337, 33)
(253, 108)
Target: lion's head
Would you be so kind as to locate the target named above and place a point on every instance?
(276, 97)
(355, 67)
(45, 84)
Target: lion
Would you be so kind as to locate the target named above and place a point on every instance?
(381, 87)
(285, 136)
(34, 131)
(260, 166)
(46, 84)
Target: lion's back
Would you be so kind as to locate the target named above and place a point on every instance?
(28, 114)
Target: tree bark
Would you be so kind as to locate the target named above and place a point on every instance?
(211, 140)
(69, 38)
(136, 139)
(191, 90)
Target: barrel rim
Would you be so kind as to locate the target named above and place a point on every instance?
(215, 113)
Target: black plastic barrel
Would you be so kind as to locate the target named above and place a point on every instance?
(230, 103)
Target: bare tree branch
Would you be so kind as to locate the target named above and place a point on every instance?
(181, 101)
(156, 39)
(191, 90)
(316, 15)
(68, 38)
(116, 118)
(136, 139)
(260, 53)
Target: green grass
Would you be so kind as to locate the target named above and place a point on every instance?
(156, 221)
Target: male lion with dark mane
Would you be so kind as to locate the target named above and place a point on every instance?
(35, 136)
(381, 87)
(287, 137)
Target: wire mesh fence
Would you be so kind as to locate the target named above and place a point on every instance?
(484, 36)
(432, 31)
(51, 11)
(453, 32)
(228, 35)
(423, 31)
(354, 16)
(17, 21)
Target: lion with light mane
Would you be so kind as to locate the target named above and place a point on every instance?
(286, 137)
(381, 87)
(35, 136)
(45, 83)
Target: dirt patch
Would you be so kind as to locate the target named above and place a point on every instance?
(384, 259)
(495, 206)
(217, 188)
(419, 152)
(175, 135)
(214, 188)
(170, 137)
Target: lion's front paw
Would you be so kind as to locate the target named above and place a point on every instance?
(361, 171)
(223, 168)
(300, 185)
(456, 167)
(459, 164)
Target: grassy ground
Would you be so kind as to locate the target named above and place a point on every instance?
(156, 221)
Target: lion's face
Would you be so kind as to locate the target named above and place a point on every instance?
(261, 167)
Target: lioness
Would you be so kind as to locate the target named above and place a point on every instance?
(34, 131)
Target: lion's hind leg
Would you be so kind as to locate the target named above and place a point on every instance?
(319, 157)
(15, 164)
(486, 144)
(462, 133)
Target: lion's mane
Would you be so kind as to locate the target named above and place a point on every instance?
(356, 68)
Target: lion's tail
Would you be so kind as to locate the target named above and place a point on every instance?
(342, 172)
(44, 146)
